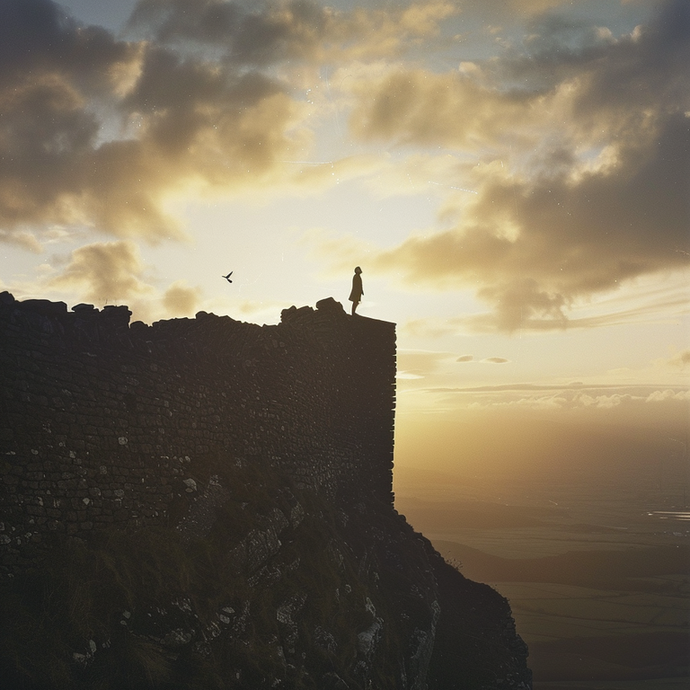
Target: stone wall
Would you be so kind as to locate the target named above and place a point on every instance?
(102, 422)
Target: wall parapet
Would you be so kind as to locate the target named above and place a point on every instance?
(103, 420)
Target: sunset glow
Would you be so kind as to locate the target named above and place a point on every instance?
(513, 179)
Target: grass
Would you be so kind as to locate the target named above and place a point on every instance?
(114, 598)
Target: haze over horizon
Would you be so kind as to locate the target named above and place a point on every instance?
(512, 177)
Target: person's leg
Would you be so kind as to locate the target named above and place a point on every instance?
(354, 307)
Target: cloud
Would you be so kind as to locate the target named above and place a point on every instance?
(181, 299)
(114, 272)
(210, 126)
(594, 193)
(37, 38)
(486, 360)
(104, 272)
(24, 240)
(99, 132)
(640, 390)
(601, 401)
(632, 401)
(668, 394)
(544, 402)
(570, 238)
(650, 300)
(681, 360)
(267, 33)
(498, 10)
(562, 164)
(632, 406)
(423, 108)
(277, 31)
(55, 76)
(632, 71)
(51, 70)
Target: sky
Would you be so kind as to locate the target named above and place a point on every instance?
(512, 176)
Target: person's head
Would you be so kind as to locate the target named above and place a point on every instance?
(358, 269)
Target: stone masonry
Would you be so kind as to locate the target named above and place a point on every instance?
(101, 421)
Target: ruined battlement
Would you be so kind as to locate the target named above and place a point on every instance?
(103, 419)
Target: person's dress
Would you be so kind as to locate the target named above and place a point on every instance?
(357, 291)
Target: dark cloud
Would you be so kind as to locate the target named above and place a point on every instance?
(600, 199)
(273, 31)
(188, 108)
(38, 36)
(55, 75)
(645, 67)
(499, 10)
(465, 358)
(574, 239)
(97, 132)
(649, 68)
(206, 21)
(44, 131)
(255, 34)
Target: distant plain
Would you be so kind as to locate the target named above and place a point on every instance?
(596, 567)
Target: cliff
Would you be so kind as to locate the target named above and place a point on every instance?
(207, 503)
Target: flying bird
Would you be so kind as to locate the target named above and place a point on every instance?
(227, 277)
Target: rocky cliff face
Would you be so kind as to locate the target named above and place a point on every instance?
(207, 503)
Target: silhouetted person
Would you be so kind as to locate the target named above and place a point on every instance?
(357, 290)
